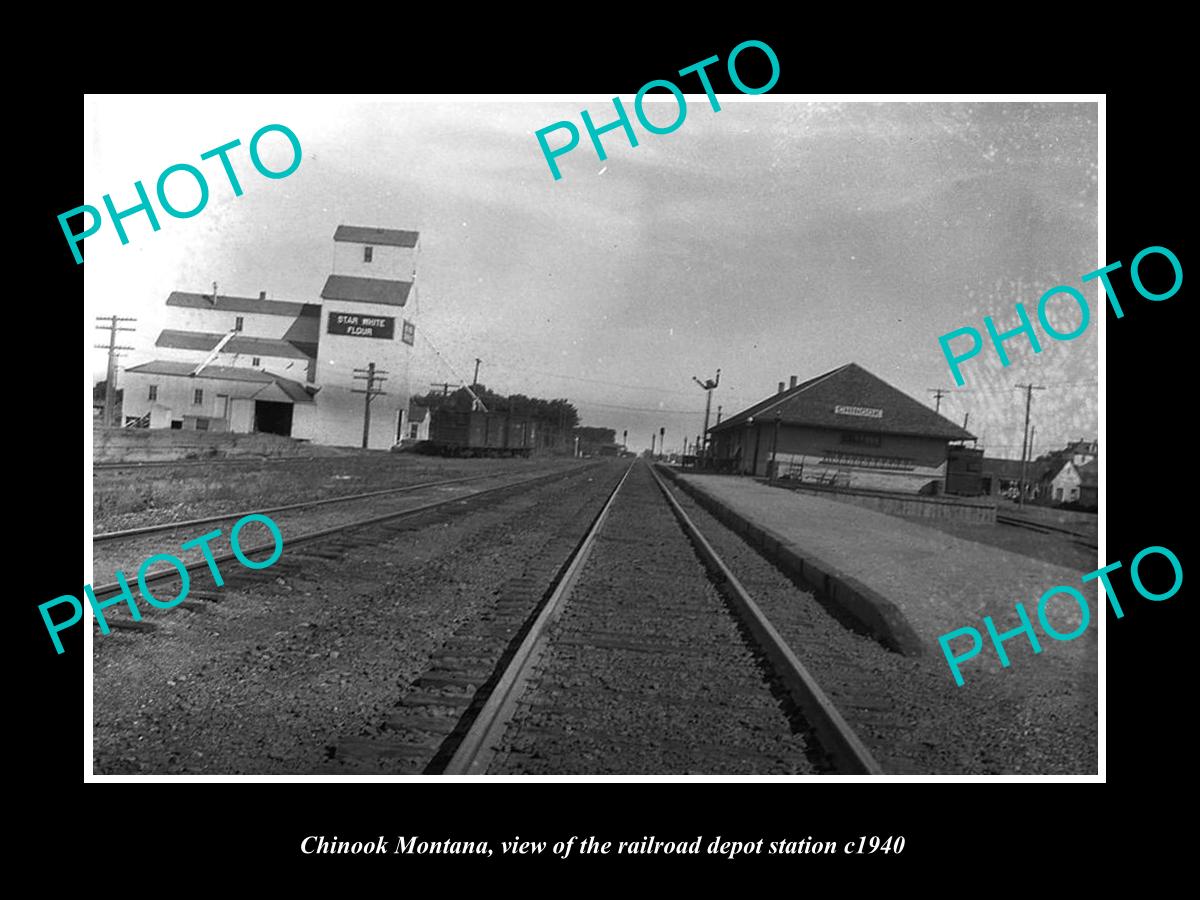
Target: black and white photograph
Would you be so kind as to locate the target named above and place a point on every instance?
(685, 435)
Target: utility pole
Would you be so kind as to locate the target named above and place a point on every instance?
(1029, 389)
(938, 394)
(708, 386)
(371, 376)
(718, 413)
(625, 439)
(475, 383)
(444, 385)
(652, 437)
(110, 382)
(662, 442)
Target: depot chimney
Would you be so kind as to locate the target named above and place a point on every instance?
(793, 384)
(780, 391)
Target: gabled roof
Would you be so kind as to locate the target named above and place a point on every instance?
(243, 304)
(1089, 474)
(294, 389)
(249, 346)
(304, 332)
(388, 237)
(366, 290)
(1056, 468)
(850, 398)
(417, 413)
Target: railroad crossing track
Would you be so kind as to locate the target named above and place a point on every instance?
(634, 651)
(181, 525)
(356, 532)
(215, 460)
(1083, 540)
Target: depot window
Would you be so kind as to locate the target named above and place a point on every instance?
(862, 438)
(237, 324)
(198, 396)
(368, 252)
(256, 360)
(153, 392)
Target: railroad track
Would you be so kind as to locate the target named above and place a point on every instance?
(629, 648)
(220, 460)
(179, 525)
(1043, 528)
(385, 525)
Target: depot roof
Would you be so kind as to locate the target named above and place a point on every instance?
(366, 290)
(293, 389)
(388, 237)
(850, 398)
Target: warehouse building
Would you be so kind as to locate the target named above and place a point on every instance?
(294, 368)
(846, 428)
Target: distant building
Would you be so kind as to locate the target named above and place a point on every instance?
(292, 368)
(1060, 472)
(1083, 452)
(418, 423)
(1061, 484)
(1089, 485)
(1002, 477)
(846, 427)
(98, 400)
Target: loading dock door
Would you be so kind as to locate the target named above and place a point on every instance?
(272, 417)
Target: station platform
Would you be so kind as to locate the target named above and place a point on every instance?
(907, 583)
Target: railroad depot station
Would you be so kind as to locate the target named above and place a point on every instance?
(245, 364)
(845, 428)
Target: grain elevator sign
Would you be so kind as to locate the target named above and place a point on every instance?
(362, 326)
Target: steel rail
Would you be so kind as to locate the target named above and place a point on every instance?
(1043, 528)
(110, 588)
(163, 463)
(187, 523)
(478, 746)
(838, 737)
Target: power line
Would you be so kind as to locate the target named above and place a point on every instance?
(633, 387)
(649, 409)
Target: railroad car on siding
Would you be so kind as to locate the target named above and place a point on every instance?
(455, 432)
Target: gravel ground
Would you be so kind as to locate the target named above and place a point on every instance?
(646, 671)
(1039, 716)
(269, 677)
(1059, 549)
(131, 498)
(127, 555)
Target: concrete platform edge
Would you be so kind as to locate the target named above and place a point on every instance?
(878, 615)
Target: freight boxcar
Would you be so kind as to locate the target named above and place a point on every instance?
(455, 432)
(964, 471)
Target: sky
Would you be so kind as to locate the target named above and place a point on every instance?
(772, 238)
